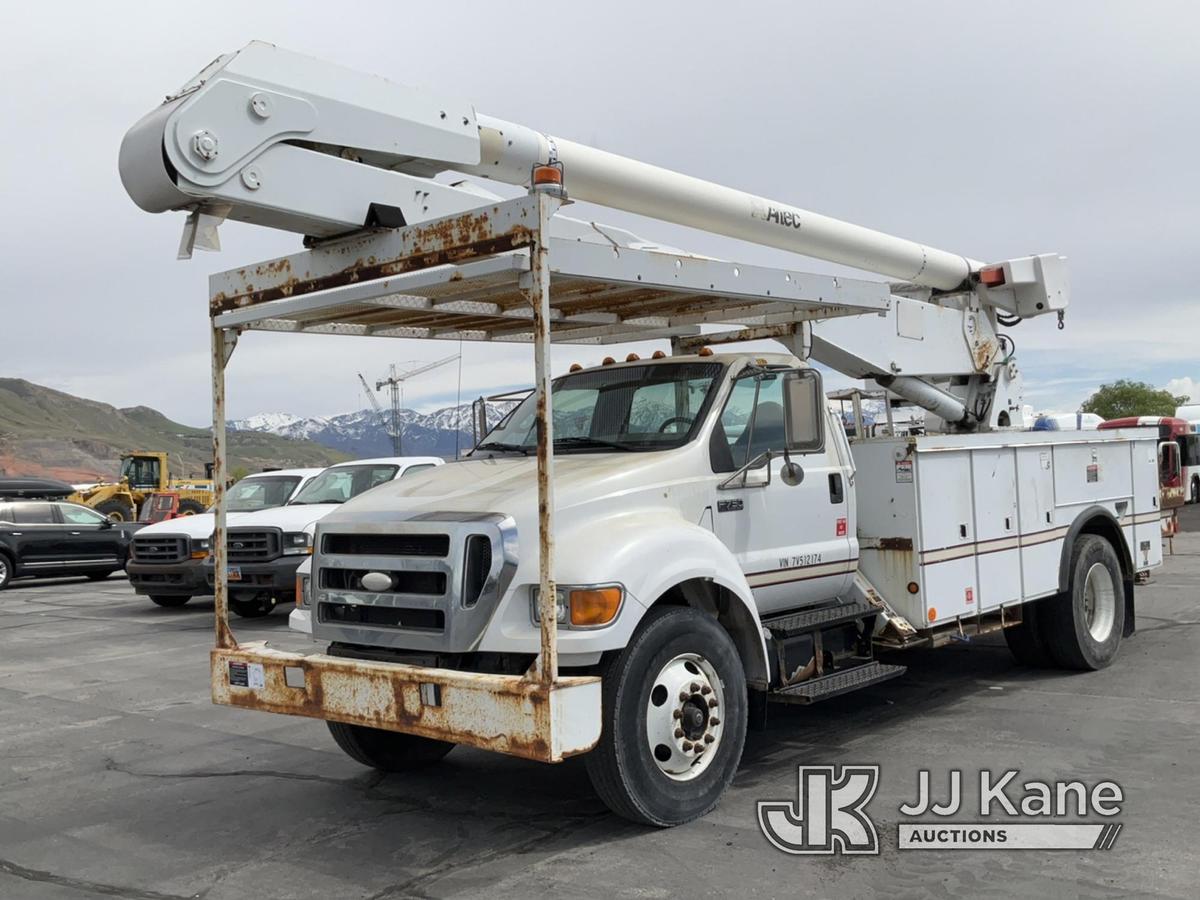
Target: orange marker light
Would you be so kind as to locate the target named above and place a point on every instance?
(547, 175)
(705, 351)
(575, 367)
(595, 606)
(632, 357)
(299, 592)
(658, 354)
(992, 276)
(932, 614)
(607, 361)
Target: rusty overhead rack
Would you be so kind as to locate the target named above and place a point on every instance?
(491, 274)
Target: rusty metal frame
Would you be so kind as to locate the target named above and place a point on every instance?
(485, 274)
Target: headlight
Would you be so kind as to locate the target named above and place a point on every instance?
(200, 548)
(296, 543)
(581, 605)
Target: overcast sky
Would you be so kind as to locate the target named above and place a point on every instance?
(1064, 126)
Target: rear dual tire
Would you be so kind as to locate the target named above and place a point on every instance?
(253, 606)
(1081, 628)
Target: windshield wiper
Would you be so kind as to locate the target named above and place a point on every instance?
(580, 441)
(500, 445)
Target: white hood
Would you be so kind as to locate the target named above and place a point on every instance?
(199, 526)
(286, 518)
(508, 484)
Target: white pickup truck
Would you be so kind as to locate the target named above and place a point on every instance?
(719, 542)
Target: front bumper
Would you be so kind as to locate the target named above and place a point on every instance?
(179, 578)
(504, 713)
(276, 575)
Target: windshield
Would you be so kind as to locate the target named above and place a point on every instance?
(250, 494)
(650, 407)
(339, 484)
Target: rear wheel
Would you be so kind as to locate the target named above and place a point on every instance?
(388, 751)
(1083, 626)
(1196, 490)
(674, 719)
(115, 510)
(1025, 641)
(170, 600)
(252, 606)
(6, 571)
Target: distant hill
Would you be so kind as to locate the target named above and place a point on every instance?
(363, 433)
(48, 432)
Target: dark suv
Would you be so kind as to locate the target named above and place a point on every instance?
(47, 538)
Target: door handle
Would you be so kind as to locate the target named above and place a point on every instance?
(76, 532)
(836, 492)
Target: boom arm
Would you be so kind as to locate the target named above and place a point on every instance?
(281, 140)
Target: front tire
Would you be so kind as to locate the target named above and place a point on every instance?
(255, 606)
(674, 713)
(1083, 626)
(387, 751)
(6, 570)
(169, 600)
(190, 508)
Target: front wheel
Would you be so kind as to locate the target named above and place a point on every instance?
(1083, 626)
(170, 600)
(253, 606)
(387, 751)
(190, 508)
(115, 510)
(674, 714)
(6, 571)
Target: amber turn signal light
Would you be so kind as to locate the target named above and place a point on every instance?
(595, 606)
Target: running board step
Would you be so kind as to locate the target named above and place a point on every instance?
(792, 624)
(837, 683)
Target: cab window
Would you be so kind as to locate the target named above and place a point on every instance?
(768, 410)
(79, 515)
(413, 470)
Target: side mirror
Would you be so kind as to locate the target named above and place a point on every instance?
(107, 523)
(791, 473)
(804, 411)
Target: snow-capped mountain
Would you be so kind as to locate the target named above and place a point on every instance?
(365, 434)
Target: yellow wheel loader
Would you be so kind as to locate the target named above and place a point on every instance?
(143, 474)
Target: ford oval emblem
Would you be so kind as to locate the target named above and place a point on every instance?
(376, 582)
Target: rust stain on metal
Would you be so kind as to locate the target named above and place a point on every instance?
(982, 353)
(505, 714)
(896, 543)
(446, 241)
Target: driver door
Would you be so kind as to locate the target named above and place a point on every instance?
(792, 540)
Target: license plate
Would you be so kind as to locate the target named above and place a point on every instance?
(234, 573)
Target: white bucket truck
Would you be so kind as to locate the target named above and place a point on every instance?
(647, 551)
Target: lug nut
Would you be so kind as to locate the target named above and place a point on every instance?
(677, 714)
(678, 732)
(708, 739)
(712, 702)
(706, 689)
(687, 746)
(714, 721)
(699, 748)
(695, 686)
(683, 696)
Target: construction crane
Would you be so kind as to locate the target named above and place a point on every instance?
(375, 407)
(395, 383)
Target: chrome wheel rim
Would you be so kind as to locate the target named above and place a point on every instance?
(683, 717)
(1099, 601)
(3, 570)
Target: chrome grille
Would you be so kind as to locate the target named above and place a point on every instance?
(160, 549)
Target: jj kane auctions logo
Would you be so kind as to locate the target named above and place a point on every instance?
(829, 814)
